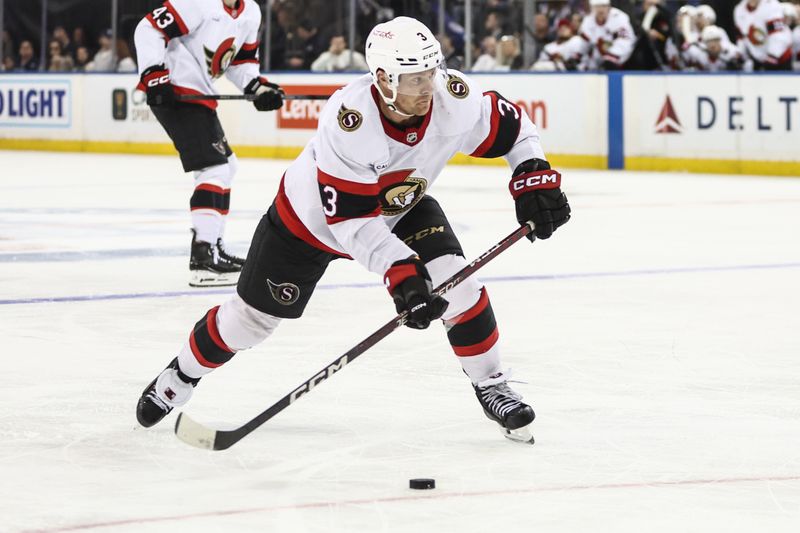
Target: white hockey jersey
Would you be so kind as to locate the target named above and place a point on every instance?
(360, 173)
(796, 47)
(612, 41)
(696, 57)
(763, 35)
(562, 56)
(198, 41)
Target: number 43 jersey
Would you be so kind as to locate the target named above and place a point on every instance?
(199, 41)
(361, 173)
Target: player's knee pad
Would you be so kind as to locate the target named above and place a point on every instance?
(243, 326)
(461, 297)
(212, 193)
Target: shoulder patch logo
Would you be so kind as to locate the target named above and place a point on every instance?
(349, 119)
(457, 87)
(284, 293)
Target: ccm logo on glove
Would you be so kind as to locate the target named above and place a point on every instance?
(540, 179)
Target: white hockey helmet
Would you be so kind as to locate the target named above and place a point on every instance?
(789, 12)
(400, 46)
(707, 12)
(712, 33)
(687, 10)
(594, 3)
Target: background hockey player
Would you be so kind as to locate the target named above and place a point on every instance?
(714, 53)
(562, 54)
(182, 47)
(763, 36)
(359, 190)
(608, 37)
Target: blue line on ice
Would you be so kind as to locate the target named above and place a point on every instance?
(487, 279)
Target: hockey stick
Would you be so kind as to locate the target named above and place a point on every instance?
(250, 97)
(200, 436)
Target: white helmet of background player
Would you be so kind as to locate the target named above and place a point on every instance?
(707, 13)
(789, 12)
(400, 46)
(712, 33)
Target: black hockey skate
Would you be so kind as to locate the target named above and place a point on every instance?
(501, 404)
(208, 268)
(151, 408)
(226, 256)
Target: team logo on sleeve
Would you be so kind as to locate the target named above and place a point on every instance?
(219, 61)
(284, 293)
(457, 87)
(401, 192)
(349, 119)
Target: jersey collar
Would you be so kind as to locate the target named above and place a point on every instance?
(409, 136)
(234, 12)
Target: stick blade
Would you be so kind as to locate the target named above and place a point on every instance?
(194, 433)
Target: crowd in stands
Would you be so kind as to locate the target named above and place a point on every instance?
(563, 35)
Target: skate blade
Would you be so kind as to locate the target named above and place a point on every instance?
(522, 435)
(202, 278)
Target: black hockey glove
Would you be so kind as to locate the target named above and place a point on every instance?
(409, 284)
(269, 96)
(155, 81)
(536, 191)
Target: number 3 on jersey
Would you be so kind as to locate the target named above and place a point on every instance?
(329, 201)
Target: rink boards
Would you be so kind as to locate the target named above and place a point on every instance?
(728, 123)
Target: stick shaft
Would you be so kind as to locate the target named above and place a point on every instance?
(226, 439)
(249, 97)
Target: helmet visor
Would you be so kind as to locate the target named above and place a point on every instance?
(418, 83)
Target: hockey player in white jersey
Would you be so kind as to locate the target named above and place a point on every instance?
(182, 47)
(714, 53)
(562, 54)
(763, 35)
(608, 37)
(360, 190)
(791, 16)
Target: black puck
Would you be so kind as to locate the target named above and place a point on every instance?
(422, 483)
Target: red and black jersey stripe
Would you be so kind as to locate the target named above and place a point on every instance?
(506, 121)
(774, 26)
(167, 20)
(206, 343)
(474, 332)
(345, 200)
(247, 54)
(207, 196)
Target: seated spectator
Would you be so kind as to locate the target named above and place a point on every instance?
(608, 37)
(82, 58)
(541, 34)
(78, 38)
(493, 25)
(337, 58)
(714, 53)
(67, 48)
(563, 53)
(125, 62)
(508, 56)
(451, 57)
(56, 60)
(8, 63)
(486, 61)
(103, 60)
(26, 60)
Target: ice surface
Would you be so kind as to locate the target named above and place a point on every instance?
(659, 333)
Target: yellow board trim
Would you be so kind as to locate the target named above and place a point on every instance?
(271, 152)
(714, 166)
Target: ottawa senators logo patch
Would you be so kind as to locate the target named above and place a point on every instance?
(284, 293)
(349, 119)
(457, 87)
(402, 195)
(219, 61)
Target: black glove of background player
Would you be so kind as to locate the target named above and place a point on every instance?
(269, 96)
(538, 197)
(410, 285)
(155, 81)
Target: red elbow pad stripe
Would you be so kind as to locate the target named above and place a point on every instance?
(531, 181)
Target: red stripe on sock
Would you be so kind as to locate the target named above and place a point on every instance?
(478, 349)
(211, 322)
(197, 355)
(473, 311)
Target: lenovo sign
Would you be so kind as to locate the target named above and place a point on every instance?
(303, 114)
